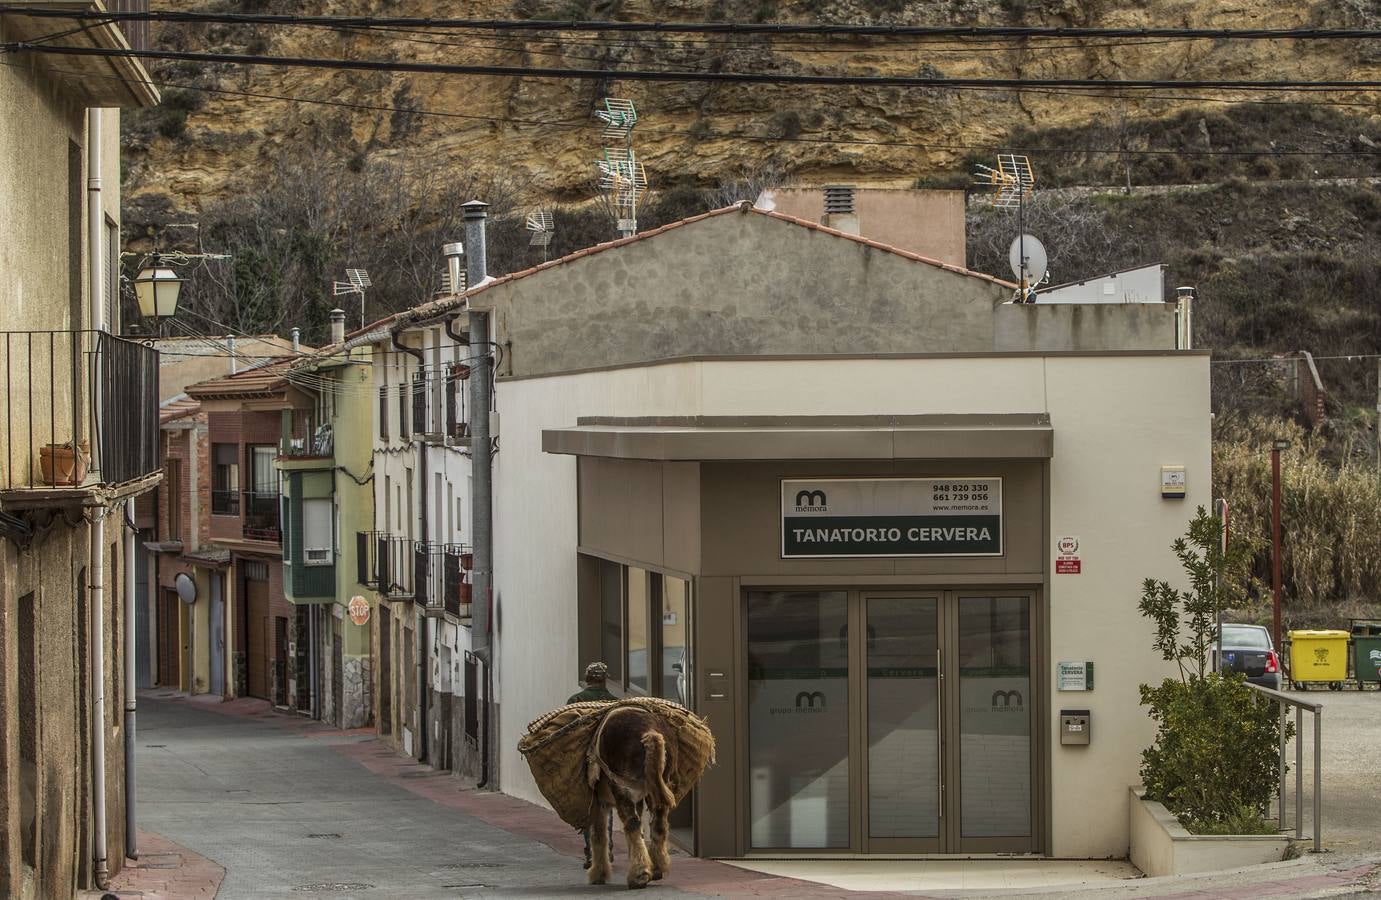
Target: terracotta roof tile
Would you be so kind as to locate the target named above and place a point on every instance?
(266, 378)
(178, 408)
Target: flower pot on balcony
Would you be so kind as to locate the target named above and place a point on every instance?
(463, 593)
(467, 562)
(63, 464)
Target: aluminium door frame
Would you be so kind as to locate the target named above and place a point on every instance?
(857, 592)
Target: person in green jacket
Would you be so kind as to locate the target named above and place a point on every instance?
(596, 677)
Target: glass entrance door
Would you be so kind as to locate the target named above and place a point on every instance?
(890, 722)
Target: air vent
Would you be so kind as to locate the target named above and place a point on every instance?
(839, 200)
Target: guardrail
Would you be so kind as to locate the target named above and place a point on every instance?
(1283, 700)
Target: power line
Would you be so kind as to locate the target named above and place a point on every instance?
(923, 81)
(768, 28)
(768, 139)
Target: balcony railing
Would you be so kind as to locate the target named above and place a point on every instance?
(80, 408)
(385, 562)
(440, 577)
(225, 503)
(261, 516)
(305, 435)
(137, 33)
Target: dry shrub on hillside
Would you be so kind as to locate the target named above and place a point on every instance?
(1330, 517)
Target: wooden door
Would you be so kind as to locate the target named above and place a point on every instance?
(257, 638)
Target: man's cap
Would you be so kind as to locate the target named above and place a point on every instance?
(596, 671)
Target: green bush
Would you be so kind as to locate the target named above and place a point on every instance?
(1214, 760)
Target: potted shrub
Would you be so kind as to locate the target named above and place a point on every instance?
(467, 560)
(1213, 768)
(65, 463)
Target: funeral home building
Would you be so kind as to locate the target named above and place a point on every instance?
(874, 521)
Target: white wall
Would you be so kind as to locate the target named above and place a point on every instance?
(1117, 420)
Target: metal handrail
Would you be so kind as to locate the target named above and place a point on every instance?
(1283, 700)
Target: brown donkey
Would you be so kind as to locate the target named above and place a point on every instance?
(629, 761)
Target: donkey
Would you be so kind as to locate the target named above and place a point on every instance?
(630, 759)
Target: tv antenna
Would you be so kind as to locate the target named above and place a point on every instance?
(1012, 182)
(356, 281)
(541, 224)
(621, 176)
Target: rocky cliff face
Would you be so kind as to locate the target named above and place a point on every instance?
(204, 145)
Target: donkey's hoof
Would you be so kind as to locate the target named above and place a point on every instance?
(656, 874)
(639, 879)
(595, 876)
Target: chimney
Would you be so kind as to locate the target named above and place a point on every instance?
(455, 274)
(230, 349)
(337, 326)
(839, 208)
(297, 339)
(1184, 318)
(477, 264)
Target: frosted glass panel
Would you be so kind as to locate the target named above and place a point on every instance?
(798, 714)
(903, 718)
(995, 716)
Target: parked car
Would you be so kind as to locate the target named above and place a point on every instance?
(1247, 649)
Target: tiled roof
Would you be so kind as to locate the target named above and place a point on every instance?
(434, 308)
(267, 378)
(179, 407)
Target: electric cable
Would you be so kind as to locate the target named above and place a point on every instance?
(590, 123)
(772, 28)
(712, 77)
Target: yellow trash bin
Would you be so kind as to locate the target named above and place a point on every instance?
(1318, 656)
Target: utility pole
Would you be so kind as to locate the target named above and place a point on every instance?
(1276, 447)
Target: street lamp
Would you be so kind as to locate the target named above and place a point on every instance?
(157, 288)
(1278, 445)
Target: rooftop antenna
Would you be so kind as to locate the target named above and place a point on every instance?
(356, 280)
(621, 176)
(1012, 182)
(541, 224)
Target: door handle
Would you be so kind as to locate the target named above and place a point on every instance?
(940, 728)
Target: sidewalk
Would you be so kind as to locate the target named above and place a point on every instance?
(164, 871)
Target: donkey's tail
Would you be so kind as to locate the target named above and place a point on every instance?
(655, 756)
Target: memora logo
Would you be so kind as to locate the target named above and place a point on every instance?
(807, 700)
(811, 502)
(1007, 699)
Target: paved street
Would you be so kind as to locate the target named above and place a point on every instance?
(253, 803)
(287, 813)
(1351, 771)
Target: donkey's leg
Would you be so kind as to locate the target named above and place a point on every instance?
(600, 868)
(639, 865)
(661, 858)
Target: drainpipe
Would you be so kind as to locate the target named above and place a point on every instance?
(94, 222)
(481, 500)
(131, 682)
(423, 726)
(96, 567)
(95, 583)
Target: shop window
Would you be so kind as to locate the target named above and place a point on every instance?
(318, 544)
(639, 676)
(611, 611)
(225, 480)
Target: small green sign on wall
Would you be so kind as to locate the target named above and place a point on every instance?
(1074, 676)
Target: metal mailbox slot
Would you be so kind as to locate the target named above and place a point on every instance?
(1074, 726)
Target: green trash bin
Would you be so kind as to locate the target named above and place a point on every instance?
(1366, 658)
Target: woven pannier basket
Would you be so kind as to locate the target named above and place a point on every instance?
(557, 747)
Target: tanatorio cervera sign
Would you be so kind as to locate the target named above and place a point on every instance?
(855, 517)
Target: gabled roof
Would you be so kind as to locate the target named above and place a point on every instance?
(434, 308)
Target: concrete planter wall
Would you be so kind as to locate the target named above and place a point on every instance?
(1162, 846)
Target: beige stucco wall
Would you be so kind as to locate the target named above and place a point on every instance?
(926, 222)
(1116, 419)
(736, 283)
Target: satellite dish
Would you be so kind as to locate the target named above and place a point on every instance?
(1036, 264)
(186, 588)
